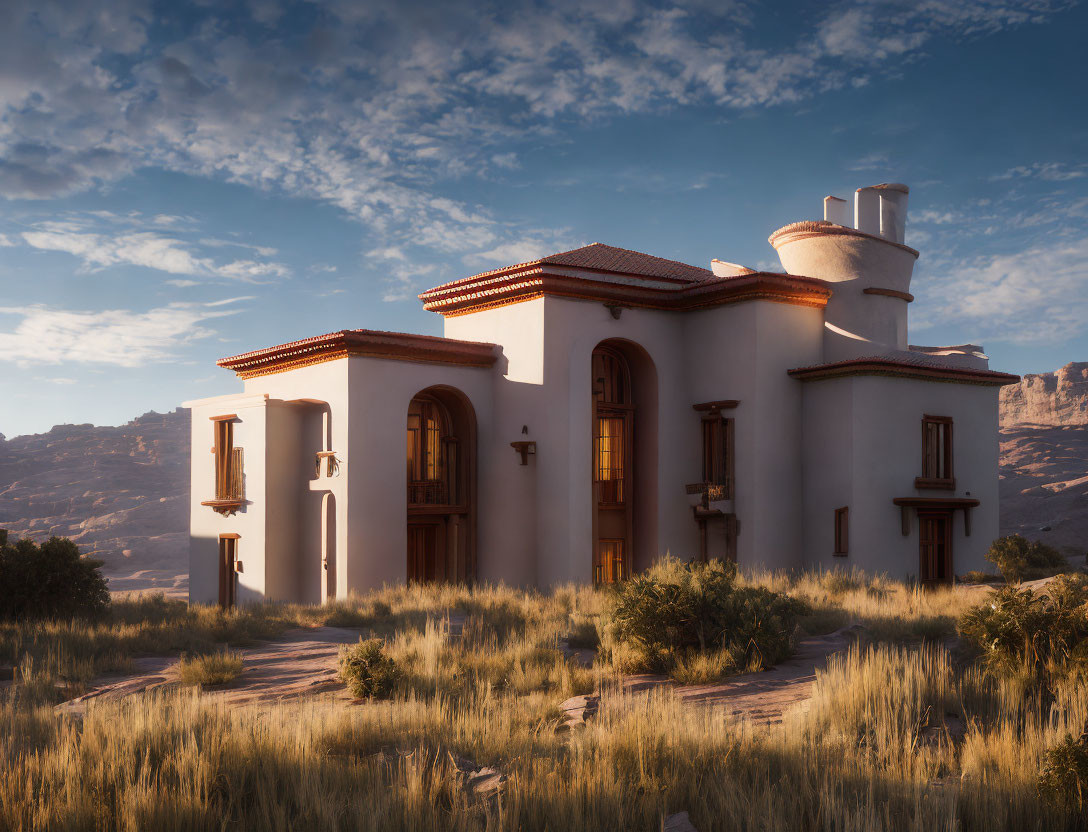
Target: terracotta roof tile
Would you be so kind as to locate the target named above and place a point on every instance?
(599, 257)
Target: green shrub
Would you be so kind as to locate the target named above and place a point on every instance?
(50, 581)
(1064, 774)
(674, 609)
(1018, 558)
(1035, 637)
(210, 669)
(367, 671)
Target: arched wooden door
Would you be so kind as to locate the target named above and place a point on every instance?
(440, 460)
(613, 465)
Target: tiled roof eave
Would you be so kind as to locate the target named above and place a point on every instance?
(508, 289)
(374, 343)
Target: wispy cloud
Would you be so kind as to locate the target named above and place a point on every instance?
(1035, 296)
(120, 337)
(365, 109)
(871, 161)
(1047, 171)
(144, 248)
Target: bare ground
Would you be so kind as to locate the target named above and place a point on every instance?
(304, 662)
(299, 663)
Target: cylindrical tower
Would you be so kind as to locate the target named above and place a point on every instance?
(868, 263)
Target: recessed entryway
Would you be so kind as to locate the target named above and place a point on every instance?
(441, 467)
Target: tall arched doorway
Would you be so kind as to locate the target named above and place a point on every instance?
(441, 459)
(614, 421)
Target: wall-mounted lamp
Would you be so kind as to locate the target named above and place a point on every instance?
(525, 449)
(332, 464)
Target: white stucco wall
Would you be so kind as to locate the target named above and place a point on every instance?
(205, 525)
(509, 494)
(742, 352)
(380, 392)
(865, 450)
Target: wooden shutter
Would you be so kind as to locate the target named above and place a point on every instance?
(224, 446)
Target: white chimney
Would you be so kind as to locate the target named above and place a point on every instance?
(893, 211)
(867, 210)
(835, 210)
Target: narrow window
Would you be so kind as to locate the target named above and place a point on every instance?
(229, 467)
(610, 458)
(842, 530)
(224, 452)
(718, 455)
(936, 454)
(228, 570)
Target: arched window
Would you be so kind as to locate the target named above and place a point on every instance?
(432, 454)
(612, 391)
(614, 425)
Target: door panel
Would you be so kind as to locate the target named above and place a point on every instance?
(609, 562)
(228, 576)
(423, 549)
(935, 548)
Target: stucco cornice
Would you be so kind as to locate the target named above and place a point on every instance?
(397, 346)
(822, 228)
(903, 369)
(489, 291)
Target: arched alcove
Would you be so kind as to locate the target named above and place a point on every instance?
(441, 469)
(624, 464)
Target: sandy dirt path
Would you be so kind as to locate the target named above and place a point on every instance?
(765, 696)
(298, 663)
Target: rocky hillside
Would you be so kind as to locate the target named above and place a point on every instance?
(120, 492)
(1057, 398)
(1044, 458)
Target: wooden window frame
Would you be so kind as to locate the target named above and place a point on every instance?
(229, 468)
(938, 472)
(229, 567)
(718, 441)
(842, 531)
(433, 458)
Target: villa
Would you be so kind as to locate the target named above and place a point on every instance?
(592, 410)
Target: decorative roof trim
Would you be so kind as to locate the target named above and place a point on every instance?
(891, 293)
(464, 298)
(813, 228)
(903, 369)
(397, 346)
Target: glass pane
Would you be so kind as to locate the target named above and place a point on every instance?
(610, 458)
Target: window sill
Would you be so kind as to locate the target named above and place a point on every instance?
(934, 484)
(224, 507)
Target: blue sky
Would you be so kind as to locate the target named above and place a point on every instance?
(184, 182)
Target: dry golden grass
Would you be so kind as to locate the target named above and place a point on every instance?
(868, 753)
(210, 669)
